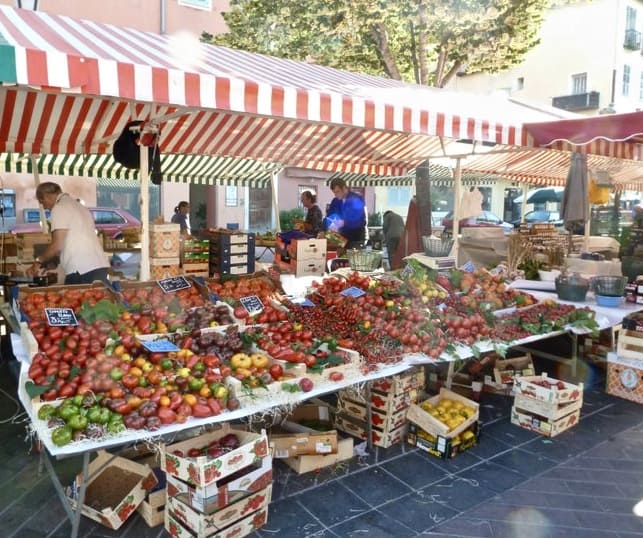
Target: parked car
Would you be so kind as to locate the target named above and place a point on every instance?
(111, 220)
(484, 219)
(540, 216)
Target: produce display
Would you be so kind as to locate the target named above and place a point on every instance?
(104, 374)
(452, 413)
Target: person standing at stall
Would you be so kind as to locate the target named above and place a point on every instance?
(392, 228)
(313, 222)
(182, 217)
(351, 220)
(73, 238)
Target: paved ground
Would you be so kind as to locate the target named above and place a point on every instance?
(515, 484)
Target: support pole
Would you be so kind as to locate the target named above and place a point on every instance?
(274, 184)
(145, 215)
(44, 228)
(457, 198)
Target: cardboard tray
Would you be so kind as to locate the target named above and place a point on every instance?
(527, 386)
(238, 529)
(104, 485)
(505, 370)
(430, 424)
(306, 441)
(548, 410)
(541, 425)
(205, 470)
(441, 447)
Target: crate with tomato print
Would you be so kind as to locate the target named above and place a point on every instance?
(206, 458)
(224, 521)
(238, 529)
(225, 491)
(116, 487)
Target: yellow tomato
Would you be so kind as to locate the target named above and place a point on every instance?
(259, 360)
(240, 360)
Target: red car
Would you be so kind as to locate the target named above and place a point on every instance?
(111, 220)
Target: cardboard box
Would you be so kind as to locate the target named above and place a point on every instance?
(548, 410)
(505, 370)
(216, 496)
(205, 470)
(529, 386)
(412, 379)
(306, 464)
(114, 490)
(152, 509)
(222, 239)
(432, 425)
(307, 249)
(440, 446)
(165, 240)
(202, 524)
(542, 425)
(238, 529)
(161, 268)
(309, 266)
(625, 377)
(358, 428)
(380, 401)
(307, 441)
(385, 422)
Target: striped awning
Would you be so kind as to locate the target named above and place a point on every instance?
(70, 86)
(198, 169)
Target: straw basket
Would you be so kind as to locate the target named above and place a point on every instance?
(364, 260)
(436, 248)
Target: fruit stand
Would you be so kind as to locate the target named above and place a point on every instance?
(161, 358)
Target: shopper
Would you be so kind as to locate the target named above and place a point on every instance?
(392, 228)
(350, 220)
(182, 217)
(313, 222)
(73, 238)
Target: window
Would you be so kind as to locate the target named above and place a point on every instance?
(579, 83)
(206, 5)
(400, 196)
(630, 18)
(107, 217)
(7, 205)
(231, 196)
(626, 80)
(520, 83)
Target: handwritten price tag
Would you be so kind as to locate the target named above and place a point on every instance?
(174, 283)
(159, 346)
(353, 292)
(60, 317)
(252, 304)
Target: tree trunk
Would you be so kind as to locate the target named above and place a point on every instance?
(421, 46)
(452, 73)
(378, 32)
(423, 196)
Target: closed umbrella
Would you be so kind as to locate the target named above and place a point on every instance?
(574, 207)
(542, 195)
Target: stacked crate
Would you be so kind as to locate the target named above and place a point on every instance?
(30, 245)
(213, 493)
(164, 250)
(546, 405)
(386, 400)
(303, 257)
(231, 252)
(195, 257)
(625, 368)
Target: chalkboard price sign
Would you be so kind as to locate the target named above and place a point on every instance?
(60, 317)
(252, 304)
(174, 283)
(159, 346)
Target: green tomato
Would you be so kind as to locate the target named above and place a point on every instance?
(115, 426)
(68, 410)
(196, 383)
(166, 364)
(116, 374)
(77, 422)
(61, 435)
(76, 400)
(46, 412)
(94, 413)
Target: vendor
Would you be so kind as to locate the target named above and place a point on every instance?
(313, 223)
(182, 217)
(348, 215)
(73, 238)
(392, 228)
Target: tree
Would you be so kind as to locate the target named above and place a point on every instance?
(423, 41)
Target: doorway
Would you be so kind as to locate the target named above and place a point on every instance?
(259, 209)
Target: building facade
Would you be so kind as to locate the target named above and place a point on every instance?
(589, 61)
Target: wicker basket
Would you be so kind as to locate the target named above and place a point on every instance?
(364, 260)
(436, 248)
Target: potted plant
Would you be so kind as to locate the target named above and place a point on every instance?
(555, 256)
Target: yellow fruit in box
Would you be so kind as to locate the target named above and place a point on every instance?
(426, 405)
(445, 403)
(467, 435)
(456, 440)
(469, 412)
(458, 405)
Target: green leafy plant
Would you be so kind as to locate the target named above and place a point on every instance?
(287, 218)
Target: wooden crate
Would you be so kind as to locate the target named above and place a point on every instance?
(164, 268)
(164, 240)
(630, 344)
(195, 269)
(543, 425)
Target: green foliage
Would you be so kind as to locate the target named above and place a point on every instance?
(287, 217)
(422, 41)
(375, 219)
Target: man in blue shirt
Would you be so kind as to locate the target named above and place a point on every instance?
(349, 214)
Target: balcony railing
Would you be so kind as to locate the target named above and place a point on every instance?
(578, 101)
(632, 40)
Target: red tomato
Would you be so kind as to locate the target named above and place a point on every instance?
(276, 371)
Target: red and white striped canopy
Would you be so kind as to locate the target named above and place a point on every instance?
(70, 86)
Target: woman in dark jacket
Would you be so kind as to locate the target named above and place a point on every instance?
(314, 221)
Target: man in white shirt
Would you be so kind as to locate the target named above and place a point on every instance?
(73, 238)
